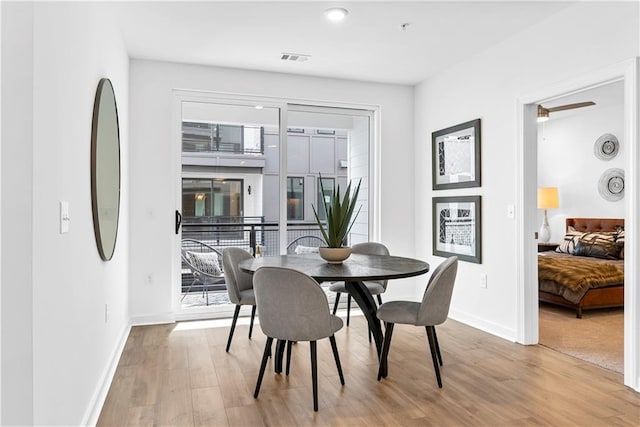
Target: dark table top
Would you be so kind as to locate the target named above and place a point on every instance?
(358, 267)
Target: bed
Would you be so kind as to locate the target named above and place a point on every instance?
(587, 269)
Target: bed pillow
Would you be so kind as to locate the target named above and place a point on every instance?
(620, 239)
(597, 248)
(207, 262)
(568, 244)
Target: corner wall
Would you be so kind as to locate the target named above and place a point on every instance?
(55, 286)
(153, 150)
(487, 86)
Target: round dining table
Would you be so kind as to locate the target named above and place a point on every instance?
(354, 271)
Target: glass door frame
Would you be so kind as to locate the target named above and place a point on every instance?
(284, 105)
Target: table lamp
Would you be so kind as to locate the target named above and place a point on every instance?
(547, 199)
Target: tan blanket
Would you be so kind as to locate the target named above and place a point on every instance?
(578, 274)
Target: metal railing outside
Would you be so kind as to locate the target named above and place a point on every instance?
(247, 233)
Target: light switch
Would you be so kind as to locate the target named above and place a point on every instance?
(64, 217)
(511, 211)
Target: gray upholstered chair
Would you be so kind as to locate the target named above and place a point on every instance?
(293, 307)
(239, 286)
(432, 311)
(375, 287)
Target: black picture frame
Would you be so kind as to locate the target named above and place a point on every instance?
(457, 224)
(455, 153)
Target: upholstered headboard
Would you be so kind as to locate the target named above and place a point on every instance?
(595, 224)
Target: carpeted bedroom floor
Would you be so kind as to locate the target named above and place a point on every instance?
(597, 338)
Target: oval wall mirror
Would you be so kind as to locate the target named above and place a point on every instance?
(105, 169)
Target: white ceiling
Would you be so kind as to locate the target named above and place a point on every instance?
(368, 45)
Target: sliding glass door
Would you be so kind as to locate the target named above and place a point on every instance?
(250, 177)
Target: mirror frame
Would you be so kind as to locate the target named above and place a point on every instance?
(105, 228)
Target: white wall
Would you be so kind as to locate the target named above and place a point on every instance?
(566, 160)
(60, 284)
(17, 220)
(153, 192)
(487, 86)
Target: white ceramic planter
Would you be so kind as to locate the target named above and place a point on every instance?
(335, 255)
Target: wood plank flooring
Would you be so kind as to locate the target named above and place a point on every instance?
(180, 375)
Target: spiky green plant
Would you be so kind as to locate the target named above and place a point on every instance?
(339, 214)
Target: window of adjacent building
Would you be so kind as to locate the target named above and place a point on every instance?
(198, 137)
(325, 191)
(207, 197)
(295, 198)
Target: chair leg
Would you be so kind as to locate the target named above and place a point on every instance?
(253, 316)
(334, 347)
(335, 304)
(188, 289)
(435, 338)
(434, 357)
(385, 349)
(279, 355)
(348, 309)
(379, 299)
(314, 374)
(233, 326)
(263, 365)
(289, 344)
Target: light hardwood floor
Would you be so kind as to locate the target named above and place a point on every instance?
(180, 375)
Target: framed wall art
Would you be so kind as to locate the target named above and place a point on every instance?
(456, 156)
(456, 227)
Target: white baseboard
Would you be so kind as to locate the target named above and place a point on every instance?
(153, 319)
(484, 325)
(97, 401)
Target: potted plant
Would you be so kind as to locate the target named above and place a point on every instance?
(339, 213)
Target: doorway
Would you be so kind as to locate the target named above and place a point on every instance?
(570, 165)
(527, 223)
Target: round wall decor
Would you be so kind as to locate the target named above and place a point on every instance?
(611, 184)
(606, 147)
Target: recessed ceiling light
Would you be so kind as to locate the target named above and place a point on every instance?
(259, 107)
(336, 13)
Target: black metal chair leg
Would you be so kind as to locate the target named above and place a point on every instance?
(435, 338)
(335, 304)
(253, 316)
(434, 357)
(314, 374)
(280, 346)
(289, 344)
(263, 365)
(379, 299)
(385, 350)
(233, 327)
(334, 347)
(348, 309)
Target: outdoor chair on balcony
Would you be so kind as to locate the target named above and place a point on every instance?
(305, 245)
(205, 264)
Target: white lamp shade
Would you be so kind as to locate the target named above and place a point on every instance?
(547, 197)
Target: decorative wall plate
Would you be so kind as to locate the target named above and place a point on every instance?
(611, 184)
(606, 147)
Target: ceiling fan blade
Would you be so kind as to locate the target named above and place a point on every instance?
(571, 106)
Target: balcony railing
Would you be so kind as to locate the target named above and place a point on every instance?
(243, 232)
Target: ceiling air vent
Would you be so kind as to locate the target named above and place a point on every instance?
(297, 57)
